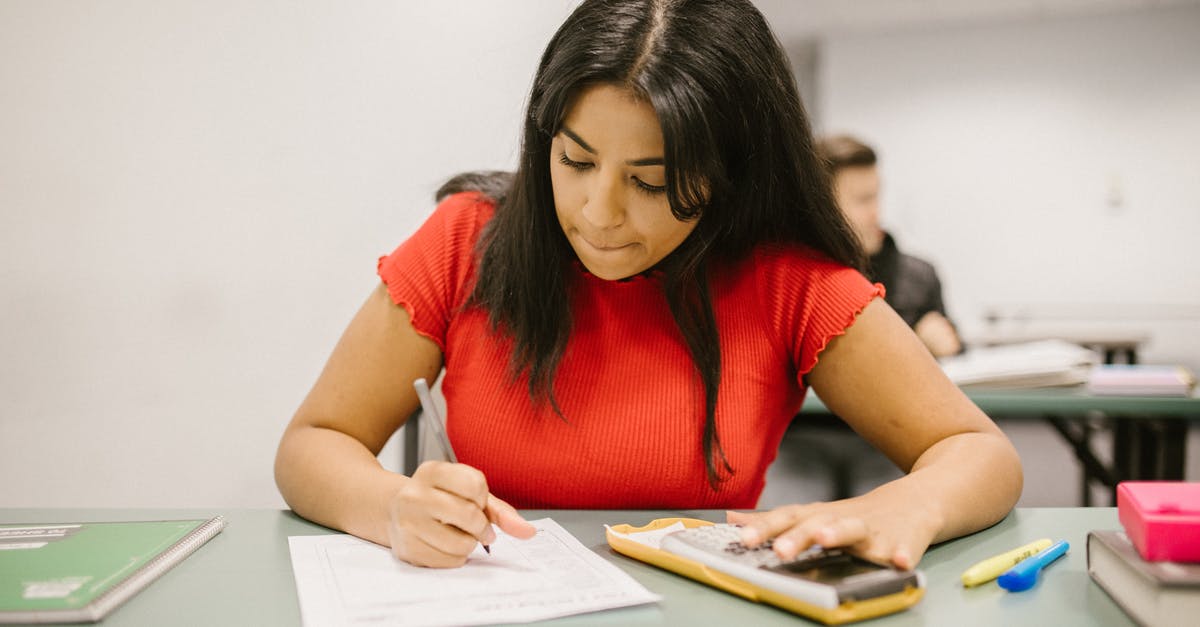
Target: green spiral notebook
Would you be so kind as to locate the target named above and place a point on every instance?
(79, 572)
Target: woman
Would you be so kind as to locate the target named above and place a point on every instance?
(637, 317)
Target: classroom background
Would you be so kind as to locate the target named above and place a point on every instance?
(193, 196)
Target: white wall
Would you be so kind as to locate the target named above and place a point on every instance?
(193, 195)
(192, 199)
(1051, 163)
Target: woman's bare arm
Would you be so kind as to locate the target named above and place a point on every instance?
(963, 473)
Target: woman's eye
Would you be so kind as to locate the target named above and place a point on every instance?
(571, 163)
(648, 188)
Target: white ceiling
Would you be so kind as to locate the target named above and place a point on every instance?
(803, 19)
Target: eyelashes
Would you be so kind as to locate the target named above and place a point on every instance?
(650, 189)
(571, 163)
(582, 166)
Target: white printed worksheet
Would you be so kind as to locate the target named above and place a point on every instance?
(347, 581)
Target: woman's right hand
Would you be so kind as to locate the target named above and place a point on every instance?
(443, 511)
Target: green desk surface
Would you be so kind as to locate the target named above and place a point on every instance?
(1039, 402)
(244, 575)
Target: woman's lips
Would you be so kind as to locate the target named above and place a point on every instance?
(606, 246)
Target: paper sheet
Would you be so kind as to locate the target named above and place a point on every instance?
(343, 580)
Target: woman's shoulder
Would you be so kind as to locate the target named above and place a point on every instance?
(443, 248)
(784, 274)
(465, 208)
(791, 258)
(455, 225)
(804, 297)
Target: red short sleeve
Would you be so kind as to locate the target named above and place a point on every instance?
(430, 274)
(810, 300)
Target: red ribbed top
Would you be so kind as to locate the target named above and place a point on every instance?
(632, 400)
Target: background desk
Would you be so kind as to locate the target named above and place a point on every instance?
(1149, 433)
(244, 575)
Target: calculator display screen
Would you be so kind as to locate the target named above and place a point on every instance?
(831, 569)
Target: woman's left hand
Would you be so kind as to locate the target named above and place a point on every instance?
(878, 527)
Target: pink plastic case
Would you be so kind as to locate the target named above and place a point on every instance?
(1162, 518)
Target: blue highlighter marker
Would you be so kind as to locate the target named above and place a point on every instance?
(1025, 574)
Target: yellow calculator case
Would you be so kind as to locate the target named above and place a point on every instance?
(848, 611)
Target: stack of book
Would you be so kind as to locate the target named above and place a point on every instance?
(1162, 594)
(1152, 568)
(1141, 380)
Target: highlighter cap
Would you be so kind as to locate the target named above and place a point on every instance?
(1025, 574)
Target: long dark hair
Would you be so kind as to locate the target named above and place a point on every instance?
(738, 151)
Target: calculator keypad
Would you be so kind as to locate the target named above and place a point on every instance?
(726, 540)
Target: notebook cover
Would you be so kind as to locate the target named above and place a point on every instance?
(79, 572)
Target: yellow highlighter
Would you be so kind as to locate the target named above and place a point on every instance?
(993, 567)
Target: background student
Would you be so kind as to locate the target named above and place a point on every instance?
(912, 284)
(635, 320)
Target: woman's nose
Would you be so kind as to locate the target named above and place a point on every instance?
(605, 207)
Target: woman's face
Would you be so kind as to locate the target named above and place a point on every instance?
(606, 166)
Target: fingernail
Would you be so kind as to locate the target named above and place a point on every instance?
(785, 547)
(750, 535)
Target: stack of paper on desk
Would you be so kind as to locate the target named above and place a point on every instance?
(1026, 365)
(343, 580)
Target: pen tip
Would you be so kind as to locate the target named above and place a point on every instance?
(488, 549)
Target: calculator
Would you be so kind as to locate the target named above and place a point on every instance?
(825, 578)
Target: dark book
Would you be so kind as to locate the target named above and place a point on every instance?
(1155, 594)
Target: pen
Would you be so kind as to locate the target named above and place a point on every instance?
(435, 422)
(992, 567)
(1025, 574)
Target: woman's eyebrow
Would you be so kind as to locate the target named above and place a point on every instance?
(646, 161)
(577, 139)
(633, 162)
